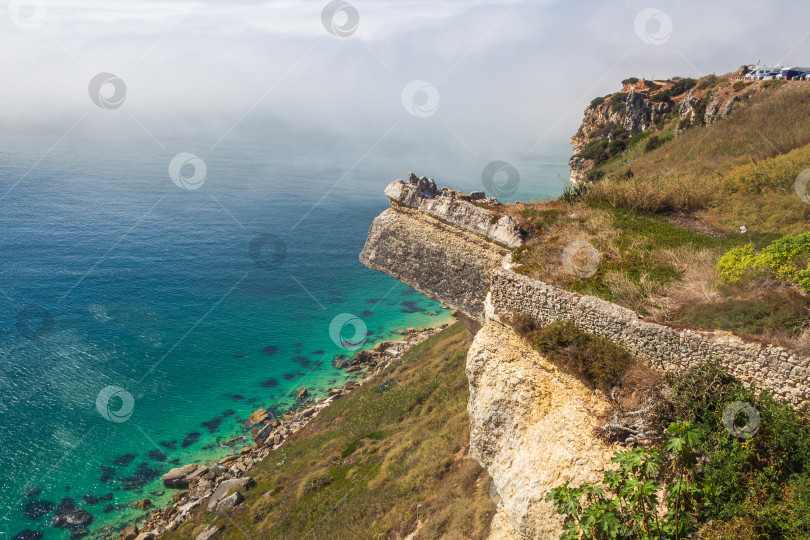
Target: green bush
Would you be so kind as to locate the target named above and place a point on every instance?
(655, 142)
(631, 80)
(617, 100)
(739, 85)
(714, 481)
(679, 87)
(597, 360)
(707, 81)
(597, 101)
(788, 257)
(772, 84)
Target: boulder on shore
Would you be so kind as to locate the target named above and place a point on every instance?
(224, 486)
(181, 477)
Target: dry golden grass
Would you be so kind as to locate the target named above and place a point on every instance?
(710, 170)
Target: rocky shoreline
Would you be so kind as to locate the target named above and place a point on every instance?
(211, 487)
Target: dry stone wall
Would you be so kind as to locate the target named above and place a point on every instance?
(783, 374)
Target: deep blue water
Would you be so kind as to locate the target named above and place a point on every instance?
(141, 323)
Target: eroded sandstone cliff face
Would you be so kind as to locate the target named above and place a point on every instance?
(531, 426)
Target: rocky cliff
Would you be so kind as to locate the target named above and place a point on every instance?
(532, 427)
(531, 422)
(443, 243)
(661, 107)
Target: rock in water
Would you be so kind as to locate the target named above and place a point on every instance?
(38, 509)
(129, 533)
(28, 534)
(180, 477)
(302, 392)
(73, 519)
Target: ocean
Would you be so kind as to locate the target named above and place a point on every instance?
(148, 310)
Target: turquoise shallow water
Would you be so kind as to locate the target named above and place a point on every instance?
(142, 323)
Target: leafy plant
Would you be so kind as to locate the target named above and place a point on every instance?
(788, 257)
(626, 503)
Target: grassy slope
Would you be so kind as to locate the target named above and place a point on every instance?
(690, 172)
(368, 465)
(661, 229)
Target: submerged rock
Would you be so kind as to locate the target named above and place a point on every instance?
(38, 509)
(28, 534)
(68, 516)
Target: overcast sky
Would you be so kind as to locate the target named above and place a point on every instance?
(499, 72)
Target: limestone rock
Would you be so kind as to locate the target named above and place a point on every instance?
(210, 533)
(258, 417)
(181, 477)
(227, 504)
(457, 209)
(531, 427)
(224, 486)
(129, 533)
(445, 262)
(302, 392)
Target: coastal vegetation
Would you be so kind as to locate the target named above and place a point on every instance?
(734, 465)
(388, 458)
(700, 229)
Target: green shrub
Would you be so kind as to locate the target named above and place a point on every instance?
(739, 85)
(597, 360)
(631, 80)
(788, 257)
(679, 87)
(772, 84)
(705, 82)
(617, 100)
(713, 483)
(653, 87)
(655, 142)
(595, 102)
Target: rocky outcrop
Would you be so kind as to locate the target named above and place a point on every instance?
(532, 423)
(635, 113)
(532, 427)
(456, 208)
(439, 243)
